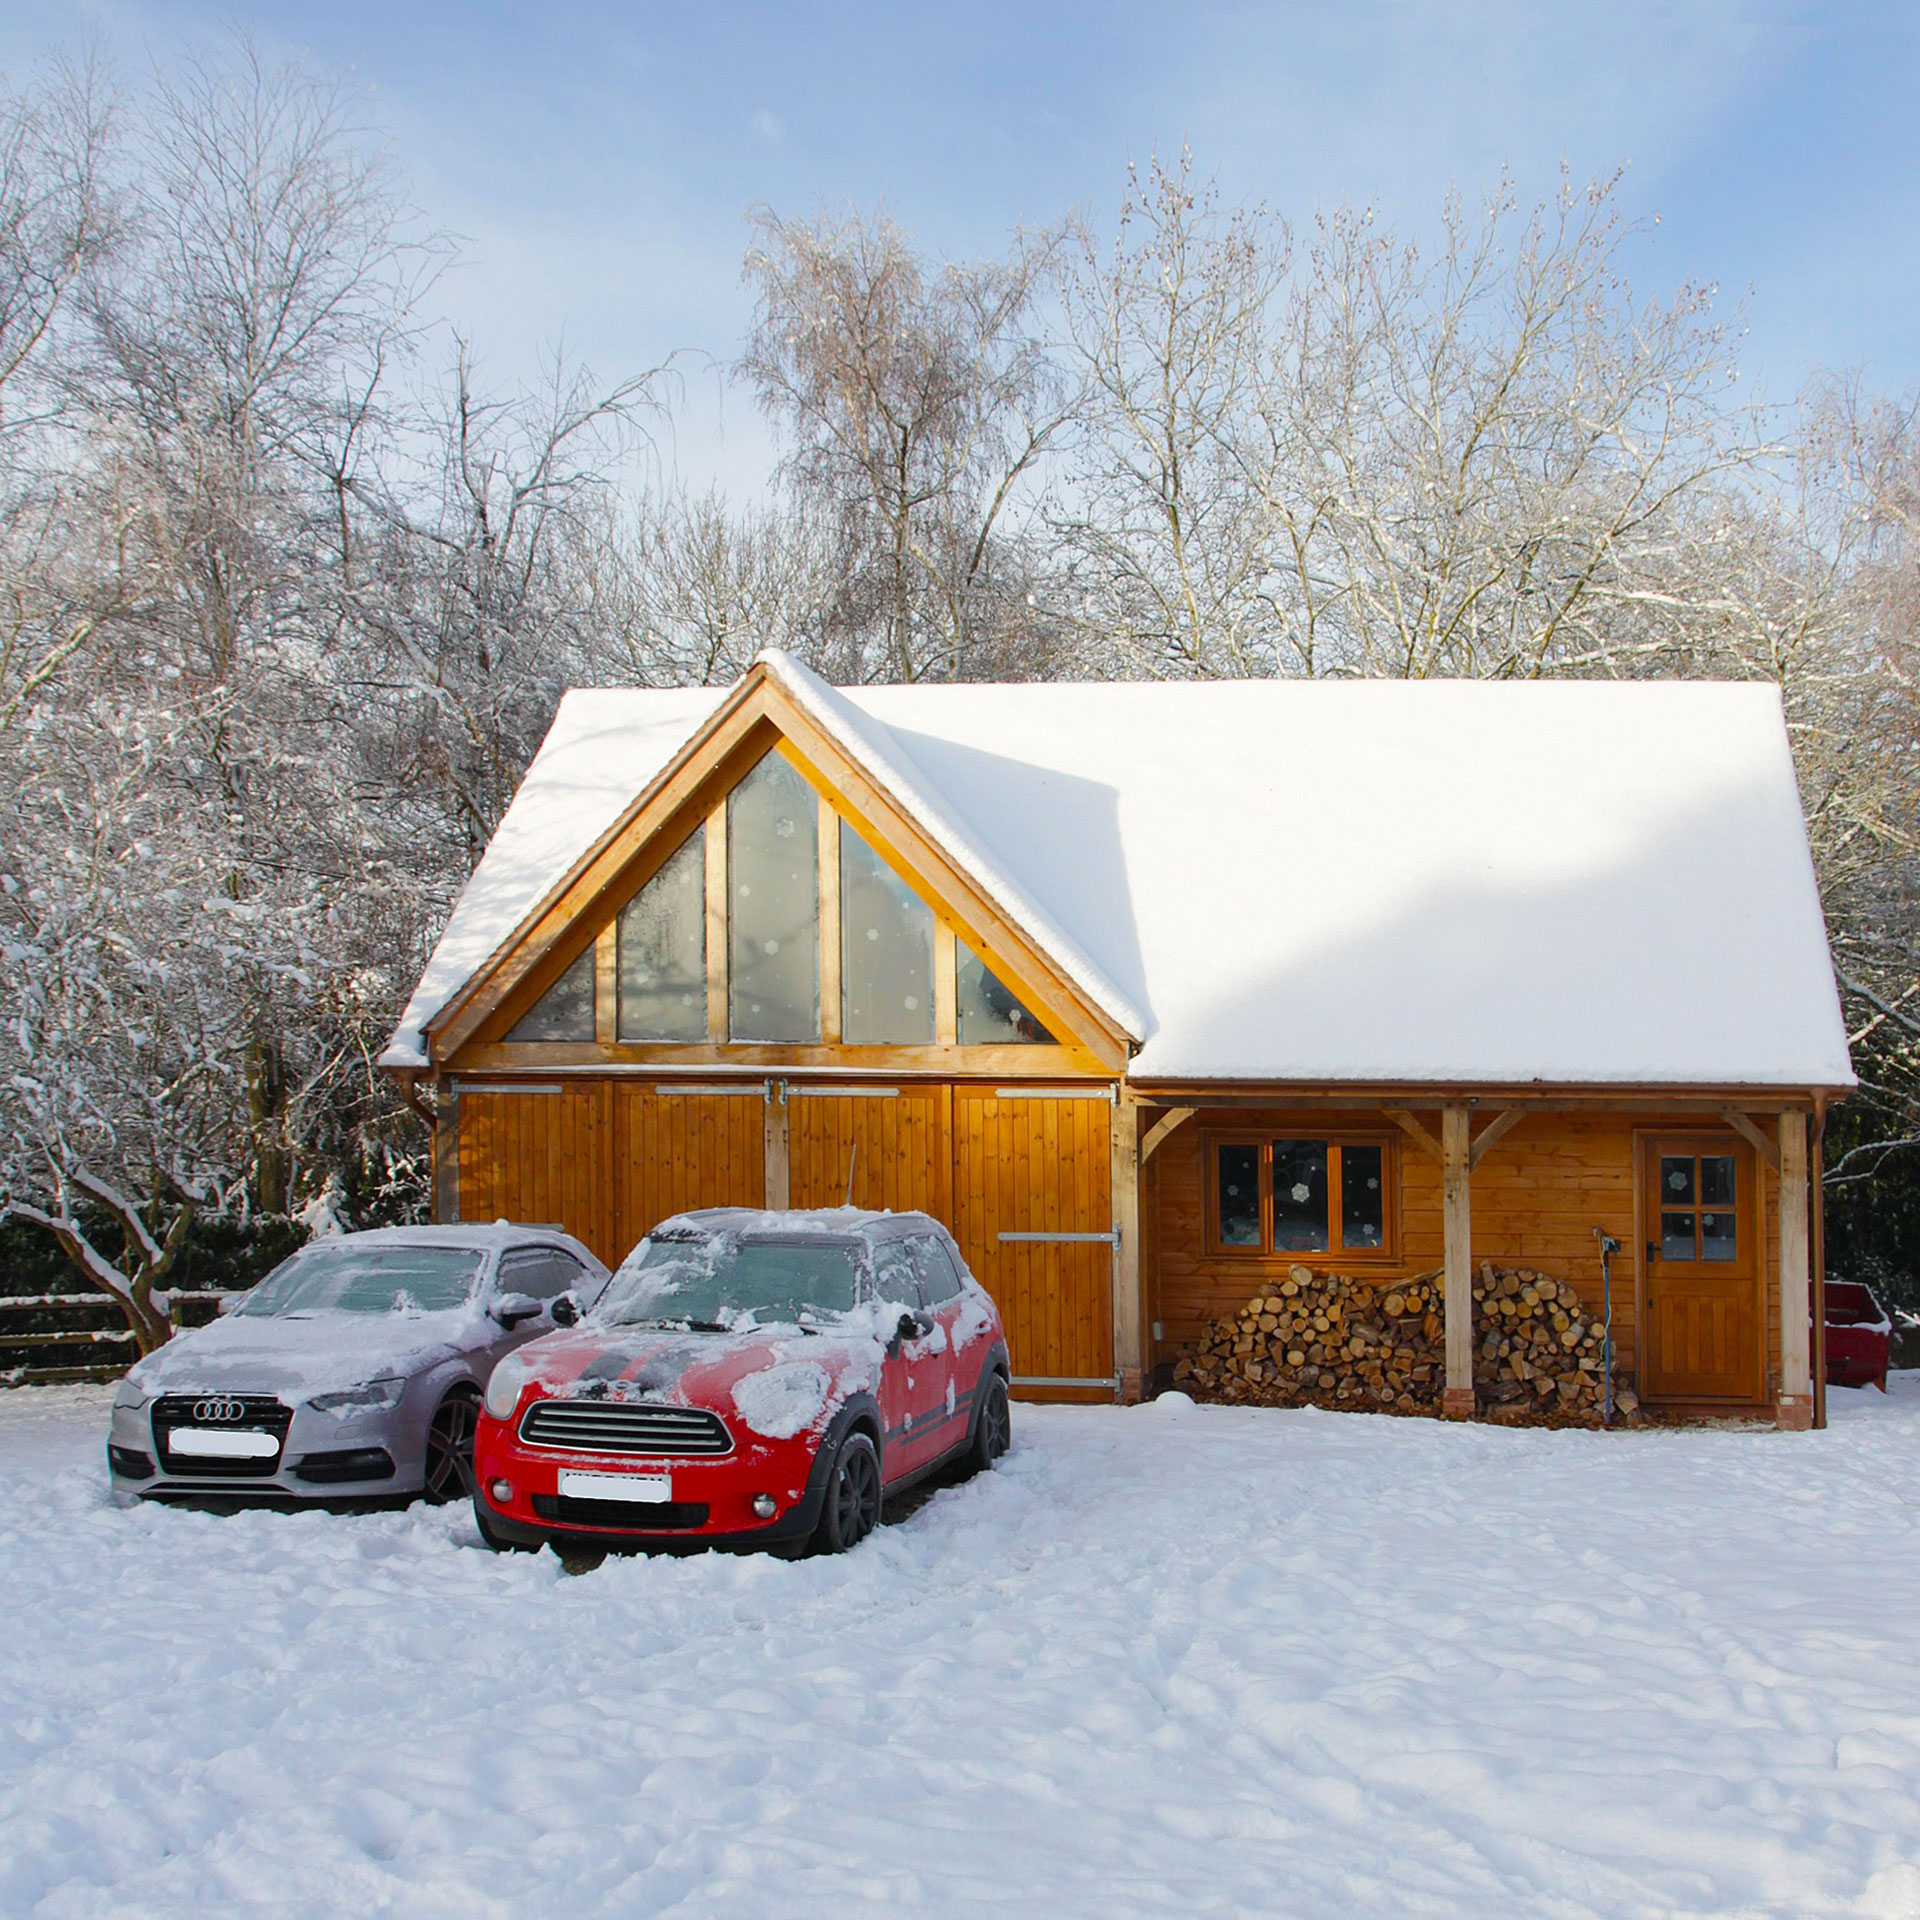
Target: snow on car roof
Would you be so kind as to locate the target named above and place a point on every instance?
(839, 1223)
(1396, 881)
(495, 1233)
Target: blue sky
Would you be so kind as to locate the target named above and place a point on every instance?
(598, 159)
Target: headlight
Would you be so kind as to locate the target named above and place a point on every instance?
(129, 1399)
(377, 1396)
(503, 1390)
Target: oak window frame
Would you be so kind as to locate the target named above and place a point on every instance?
(1334, 1254)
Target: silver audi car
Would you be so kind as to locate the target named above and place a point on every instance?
(352, 1373)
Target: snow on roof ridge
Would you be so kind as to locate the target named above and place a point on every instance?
(871, 742)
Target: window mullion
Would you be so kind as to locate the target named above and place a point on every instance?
(1266, 1196)
(946, 986)
(831, 990)
(1336, 1213)
(717, 922)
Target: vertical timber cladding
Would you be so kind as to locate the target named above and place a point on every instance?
(893, 1140)
(676, 1148)
(538, 1152)
(1036, 1162)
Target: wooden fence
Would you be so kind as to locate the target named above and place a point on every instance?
(49, 1338)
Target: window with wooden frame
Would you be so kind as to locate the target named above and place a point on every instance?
(775, 922)
(1303, 1197)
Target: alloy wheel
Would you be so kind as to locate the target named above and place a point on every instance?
(854, 1497)
(450, 1449)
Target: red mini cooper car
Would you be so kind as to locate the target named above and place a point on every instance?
(747, 1379)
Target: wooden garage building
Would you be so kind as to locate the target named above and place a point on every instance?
(1150, 991)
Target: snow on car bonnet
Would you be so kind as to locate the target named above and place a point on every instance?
(783, 1400)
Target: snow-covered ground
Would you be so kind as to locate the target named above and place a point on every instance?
(1165, 1661)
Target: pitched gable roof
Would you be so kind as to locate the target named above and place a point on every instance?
(1439, 881)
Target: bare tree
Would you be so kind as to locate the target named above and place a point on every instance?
(1172, 546)
(713, 585)
(918, 405)
(1356, 459)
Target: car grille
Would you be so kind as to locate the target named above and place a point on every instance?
(624, 1426)
(229, 1413)
(622, 1515)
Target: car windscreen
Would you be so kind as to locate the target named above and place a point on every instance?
(338, 1277)
(717, 1282)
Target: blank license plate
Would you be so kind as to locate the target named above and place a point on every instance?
(643, 1489)
(219, 1443)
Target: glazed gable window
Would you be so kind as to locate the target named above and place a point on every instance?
(663, 950)
(774, 922)
(886, 952)
(773, 905)
(565, 1010)
(1292, 1195)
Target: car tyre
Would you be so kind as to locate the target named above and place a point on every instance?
(450, 1447)
(497, 1541)
(851, 1510)
(992, 1425)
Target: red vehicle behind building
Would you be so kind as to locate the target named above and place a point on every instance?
(747, 1379)
(1859, 1336)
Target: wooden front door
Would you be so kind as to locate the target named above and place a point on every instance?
(1700, 1235)
(1033, 1213)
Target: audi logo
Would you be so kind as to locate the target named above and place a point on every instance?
(210, 1411)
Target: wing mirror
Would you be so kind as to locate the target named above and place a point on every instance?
(513, 1309)
(565, 1311)
(228, 1302)
(913, 1326)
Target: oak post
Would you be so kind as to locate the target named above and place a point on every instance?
(1128, 1356)
(1817, 1191)
(1456, 1177)
(1794, 1408)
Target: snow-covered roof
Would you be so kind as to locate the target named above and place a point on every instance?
(1400, 881)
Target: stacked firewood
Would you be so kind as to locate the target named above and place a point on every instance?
(1330, 1340)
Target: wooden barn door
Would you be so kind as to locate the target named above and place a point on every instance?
(1700, 1231)
(893, 1138)
(1033, 1213)
(680, 1147)
(536, 1152)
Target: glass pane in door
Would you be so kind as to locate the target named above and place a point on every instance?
(1676, 1236)
(1716, 1179)
(1676, 1179)
(1718, 1237)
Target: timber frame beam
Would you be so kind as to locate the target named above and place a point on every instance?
(1751, 1133)
(1456, 1181)
(1125, 1155)
(1162, 1129)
